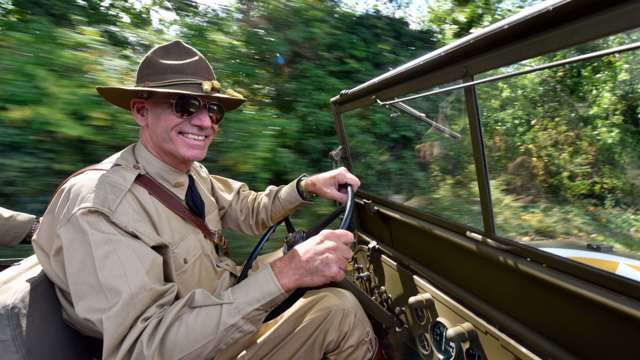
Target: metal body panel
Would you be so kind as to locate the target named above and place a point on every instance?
(493, 340)
(548, 312)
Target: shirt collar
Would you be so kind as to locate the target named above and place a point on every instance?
(171, 178)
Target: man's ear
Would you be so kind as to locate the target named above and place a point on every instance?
(140, 111)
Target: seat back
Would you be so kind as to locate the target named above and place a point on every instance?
(31, 324)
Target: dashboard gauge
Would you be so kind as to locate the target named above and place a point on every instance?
(438, 334)
(424, 346)
(422, 307)
(450, 352)
(421, 315)
(445, 349)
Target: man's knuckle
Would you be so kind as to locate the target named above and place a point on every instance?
(330, 247)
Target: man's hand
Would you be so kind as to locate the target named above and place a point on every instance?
(326, 184)
(318, 261)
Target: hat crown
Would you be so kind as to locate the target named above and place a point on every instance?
(173, 62)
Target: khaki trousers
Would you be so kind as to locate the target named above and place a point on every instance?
(327, 323)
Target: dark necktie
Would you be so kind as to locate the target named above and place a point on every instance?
(194, 200)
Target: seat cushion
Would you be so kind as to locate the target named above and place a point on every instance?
(31, 324)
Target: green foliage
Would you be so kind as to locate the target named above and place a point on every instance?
(575, 127)
(323, 50)
(579, 220)
(453, 19)
(54, 53)
(51, 118)
(577, 124)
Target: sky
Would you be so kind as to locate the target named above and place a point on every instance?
(411, 13)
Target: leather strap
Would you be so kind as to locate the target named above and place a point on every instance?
(168, 199)
(173, 203)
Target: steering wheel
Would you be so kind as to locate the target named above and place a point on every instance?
(294, 238)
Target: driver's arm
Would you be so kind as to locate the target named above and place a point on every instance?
(117, 286)
(250, 212)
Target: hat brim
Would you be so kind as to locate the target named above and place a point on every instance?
(121, 96)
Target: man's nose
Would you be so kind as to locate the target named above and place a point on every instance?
(202, 119)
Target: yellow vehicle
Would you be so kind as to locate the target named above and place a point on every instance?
(461, 253)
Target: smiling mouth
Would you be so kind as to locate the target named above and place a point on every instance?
(194, 136)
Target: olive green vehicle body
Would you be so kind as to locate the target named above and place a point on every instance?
(500, 298)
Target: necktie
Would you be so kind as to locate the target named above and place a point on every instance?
(194, 200)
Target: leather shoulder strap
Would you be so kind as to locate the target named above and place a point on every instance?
(168, 199)
(173, 203)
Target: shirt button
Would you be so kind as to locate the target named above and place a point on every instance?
(178, 184)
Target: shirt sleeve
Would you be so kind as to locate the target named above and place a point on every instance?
(118, 289)
(251, 212)
(14, 226)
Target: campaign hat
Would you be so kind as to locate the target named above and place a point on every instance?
(174, 67)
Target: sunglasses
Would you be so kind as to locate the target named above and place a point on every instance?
(185, 106)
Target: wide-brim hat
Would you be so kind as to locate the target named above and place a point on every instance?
(174, 67)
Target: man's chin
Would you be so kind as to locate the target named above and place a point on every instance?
(195, 152)
(197, 156)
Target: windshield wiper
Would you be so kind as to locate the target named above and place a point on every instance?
(422, 117)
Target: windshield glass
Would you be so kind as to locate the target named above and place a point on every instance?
(564, 157)
(418, 154)
(560, 141)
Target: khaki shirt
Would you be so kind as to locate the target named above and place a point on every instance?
(14, 226)
(130, 271)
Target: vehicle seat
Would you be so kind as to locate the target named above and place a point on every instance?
(31, 324)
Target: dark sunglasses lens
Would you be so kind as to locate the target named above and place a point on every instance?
(216, 112)
(186, 105)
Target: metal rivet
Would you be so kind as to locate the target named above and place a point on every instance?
(136, 166)
(178, 184)
(185, 261)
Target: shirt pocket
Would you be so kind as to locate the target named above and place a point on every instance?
(192, 268)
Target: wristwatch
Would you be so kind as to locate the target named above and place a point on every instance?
(304, 194)
(34, 227)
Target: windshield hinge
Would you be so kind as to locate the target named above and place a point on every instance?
(336, 156)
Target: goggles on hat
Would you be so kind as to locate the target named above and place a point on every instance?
(185, 106)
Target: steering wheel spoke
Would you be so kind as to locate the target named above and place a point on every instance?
(289, 225)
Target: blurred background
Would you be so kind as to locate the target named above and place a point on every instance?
(288, 58)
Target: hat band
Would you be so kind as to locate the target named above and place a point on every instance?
(169, 82)
(207, 86)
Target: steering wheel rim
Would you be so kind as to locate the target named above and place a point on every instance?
(344, 224)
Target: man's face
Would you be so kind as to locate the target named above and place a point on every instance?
(175, 140)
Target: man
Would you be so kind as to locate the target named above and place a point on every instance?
(128, 270)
